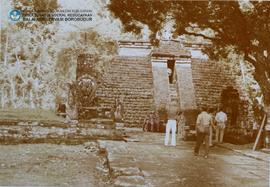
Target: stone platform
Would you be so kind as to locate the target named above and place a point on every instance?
(17, 131)
(143, 160)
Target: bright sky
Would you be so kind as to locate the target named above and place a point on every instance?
(105, 25)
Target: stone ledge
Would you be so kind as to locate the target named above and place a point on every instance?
(247, 152)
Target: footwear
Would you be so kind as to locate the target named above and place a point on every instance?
(205, 156)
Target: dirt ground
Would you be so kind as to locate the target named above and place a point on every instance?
(140, 160)
(49, 165)
(143, 160)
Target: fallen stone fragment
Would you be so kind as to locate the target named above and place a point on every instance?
(134, 181)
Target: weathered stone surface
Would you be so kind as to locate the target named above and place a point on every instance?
(161, 83)
(210, 79)
(129, 79)
(49, 165)
(132, 181)
(185, 86)
(130, 171)
(45, 133)
(161, 165)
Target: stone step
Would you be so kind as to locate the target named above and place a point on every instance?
(121, 91)
(140, 102)
(123, 181)
(127, 89)
(34, 132)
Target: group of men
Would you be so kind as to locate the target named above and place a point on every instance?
(205, 124)
(152, 122)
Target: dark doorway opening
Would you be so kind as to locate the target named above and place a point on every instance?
(170, 66)
(230, 102)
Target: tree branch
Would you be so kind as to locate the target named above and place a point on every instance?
(251, 60)
(199, 34)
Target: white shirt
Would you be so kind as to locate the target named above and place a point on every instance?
(221, 117)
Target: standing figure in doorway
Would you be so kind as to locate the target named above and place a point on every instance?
(221, 119)
(118, 113)
(156, 122)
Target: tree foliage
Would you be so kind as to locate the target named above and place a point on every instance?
(35, 7)
(244, 27)
(38, 60)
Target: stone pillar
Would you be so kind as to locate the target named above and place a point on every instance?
(86, 85)
(185, 85)
(161, 82)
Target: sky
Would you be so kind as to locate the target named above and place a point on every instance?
(102, 22)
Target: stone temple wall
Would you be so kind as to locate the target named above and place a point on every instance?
(210, 79)
(130, 80)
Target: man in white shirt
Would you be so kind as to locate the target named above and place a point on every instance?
(221, 119)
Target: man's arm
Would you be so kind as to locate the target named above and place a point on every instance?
(198, 122)
(212, 122)
(216, 117)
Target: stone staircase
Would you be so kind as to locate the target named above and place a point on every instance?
(209, 80)
(130, 80)
(174, 95)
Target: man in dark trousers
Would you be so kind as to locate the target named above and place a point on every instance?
(203, 123)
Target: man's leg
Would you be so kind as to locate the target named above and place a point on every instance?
(210, 136)
(206, 137)
(167, 135)
(173, 126)
(157, 127)
(180, 129)
(221, 135)
(217, 134)
(199, 140)
(145, 126)
(183, 132)
(152, 126)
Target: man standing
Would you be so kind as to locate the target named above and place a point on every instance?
(221, 119)
(203, 123)
(171, 125)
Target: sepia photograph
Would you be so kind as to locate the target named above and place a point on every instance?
(135, 93)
